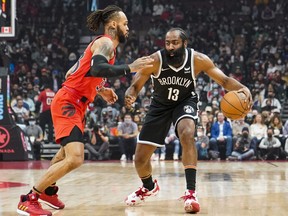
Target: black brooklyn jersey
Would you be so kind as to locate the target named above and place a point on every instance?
(173, 85)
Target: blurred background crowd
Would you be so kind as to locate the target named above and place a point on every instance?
(247, 40)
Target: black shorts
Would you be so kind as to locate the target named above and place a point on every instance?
(75, 136)
(159, 118)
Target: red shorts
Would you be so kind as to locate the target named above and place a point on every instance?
(67, 111)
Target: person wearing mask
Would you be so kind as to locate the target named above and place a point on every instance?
(35, 135)
(127, 132)
(270, 146)
(243, 149)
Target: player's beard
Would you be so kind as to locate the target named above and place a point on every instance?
(121, 35)
(177, 58)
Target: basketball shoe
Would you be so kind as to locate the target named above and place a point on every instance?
(191, 204)
(52, 200)
(141, 194)
(29, 205)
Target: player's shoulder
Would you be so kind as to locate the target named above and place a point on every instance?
(102, 41)
(198, 56)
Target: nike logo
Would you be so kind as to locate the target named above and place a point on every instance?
(187, 68)
(164, 69)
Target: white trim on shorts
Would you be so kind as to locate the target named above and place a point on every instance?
(144, 142)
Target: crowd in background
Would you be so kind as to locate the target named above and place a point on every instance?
(247, 40)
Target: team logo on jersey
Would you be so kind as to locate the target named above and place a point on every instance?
(69, 110)
(188, 109)
(187, 70)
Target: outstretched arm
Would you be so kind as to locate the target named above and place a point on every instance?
(139, 81)
(103, 50)
(204, 63)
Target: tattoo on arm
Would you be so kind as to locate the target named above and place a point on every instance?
(105, 48)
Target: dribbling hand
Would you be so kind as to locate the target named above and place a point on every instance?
(248, 94)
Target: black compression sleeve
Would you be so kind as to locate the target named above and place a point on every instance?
(101, 68)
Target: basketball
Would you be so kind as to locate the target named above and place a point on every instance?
(235, 105)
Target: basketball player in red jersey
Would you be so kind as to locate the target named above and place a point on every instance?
(84, 81)
(44, 100)
(174, 100)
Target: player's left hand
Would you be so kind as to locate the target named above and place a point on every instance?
(248, 94)
(108, 95)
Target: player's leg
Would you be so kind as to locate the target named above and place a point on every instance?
(151, 136)
(185, 117)
(69, 157)
(186, 130)
(143, 165)
(144, 169)
(74, 157)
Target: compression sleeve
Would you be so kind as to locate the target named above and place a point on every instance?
(101, 68)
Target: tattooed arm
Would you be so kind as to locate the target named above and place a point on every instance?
(103, 50)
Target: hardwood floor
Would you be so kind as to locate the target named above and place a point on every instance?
(99, 188)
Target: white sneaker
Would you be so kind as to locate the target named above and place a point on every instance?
(141, 194)
(175, 157)
(123, 157)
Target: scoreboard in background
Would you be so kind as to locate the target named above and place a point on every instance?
(7, 18)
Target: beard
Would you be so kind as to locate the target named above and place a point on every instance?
(121, 36)
(177, 58)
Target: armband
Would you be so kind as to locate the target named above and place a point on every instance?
(101, 68)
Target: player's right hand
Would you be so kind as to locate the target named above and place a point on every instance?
(141, 63)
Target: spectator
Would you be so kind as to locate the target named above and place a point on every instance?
(258, 130)
(43, 108)
(202, 144)
(271, 102)
(270, 146)
(243, 149)
(237, 127)
(172, 140)
(127, 132)
(35, 135)
(221, 136)
(98, 144)
(21, 112)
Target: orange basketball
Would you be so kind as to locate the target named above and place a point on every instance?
(235, 105)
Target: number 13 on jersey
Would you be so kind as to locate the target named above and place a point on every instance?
(173, 94)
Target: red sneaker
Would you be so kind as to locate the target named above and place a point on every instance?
(52, 200)
(191, 204)
(31, 206)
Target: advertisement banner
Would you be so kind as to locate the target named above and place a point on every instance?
(14, 146)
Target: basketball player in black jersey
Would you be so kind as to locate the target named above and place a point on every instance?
(174, 73)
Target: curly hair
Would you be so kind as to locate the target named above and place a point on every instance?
(103, 16)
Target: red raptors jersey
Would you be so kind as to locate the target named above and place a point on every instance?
(81, 80)
(45, 97)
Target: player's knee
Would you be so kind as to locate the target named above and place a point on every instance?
(186, 133)
(74, 162)
(140, 161)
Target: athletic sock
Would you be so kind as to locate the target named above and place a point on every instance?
(190, 175)
(148, 183)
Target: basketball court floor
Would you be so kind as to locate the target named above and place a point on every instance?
(99, 188)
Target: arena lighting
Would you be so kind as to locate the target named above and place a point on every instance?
(7, 18)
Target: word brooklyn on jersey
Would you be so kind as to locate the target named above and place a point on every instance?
(175, 81)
